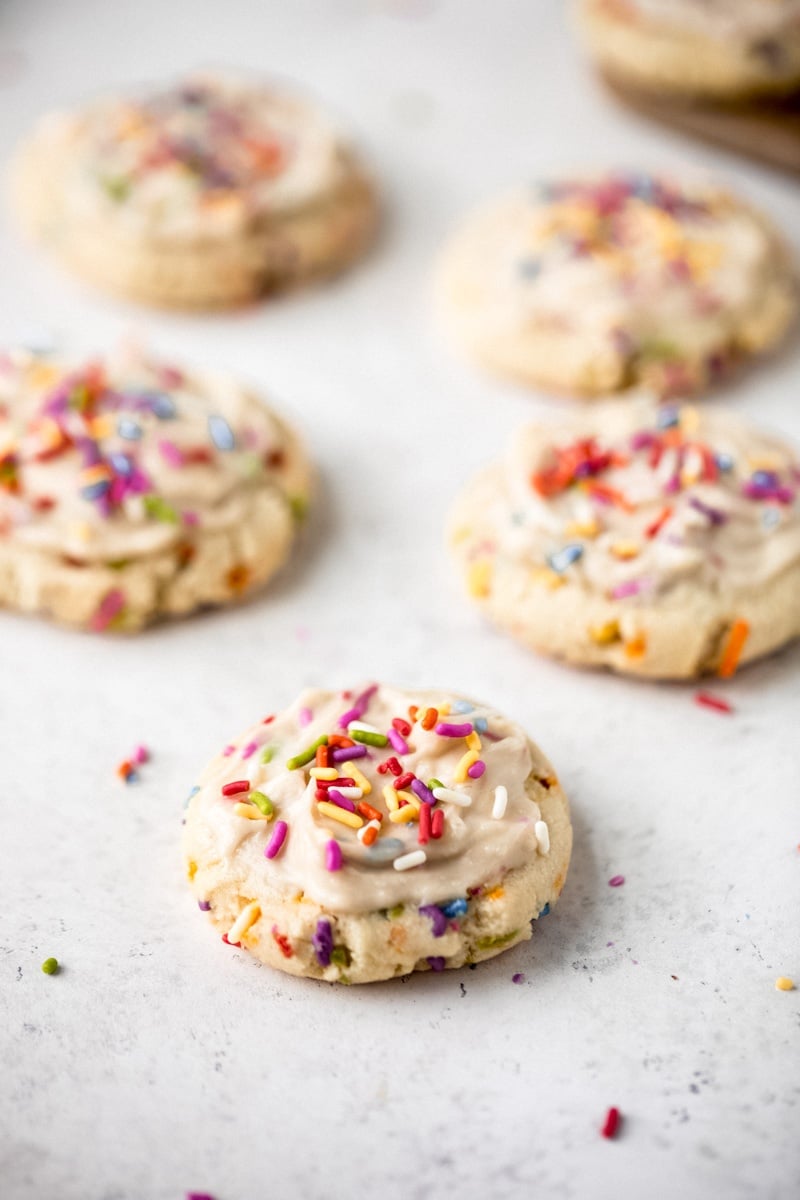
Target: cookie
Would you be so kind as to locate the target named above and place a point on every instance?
(594, 285)
(657, 541)
(716, 48)
(211, 193)
(132, 489)
(361, 836)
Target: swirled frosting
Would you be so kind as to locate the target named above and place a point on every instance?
(722, 18)
(392, 750)
(111, 461)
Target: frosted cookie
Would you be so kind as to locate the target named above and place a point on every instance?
(132, 489)
(716, 48)
(359, 836)
(655, 541)
(593, 285)
(210, 193)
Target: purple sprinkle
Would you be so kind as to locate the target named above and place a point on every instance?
(477, 769)
(359, 708)
(274, 844)
(305, 717)
(322, 941)
(345, 753)
(437, 919)
(422, 792)
(399, 743)
(333, 855)
(336, 797)
(199, 1196)
(204, 906)
(642, 440)
(435, 963)
(518, 978)
(249, 749)
(616, 881)
(447, 729)
(713, 514)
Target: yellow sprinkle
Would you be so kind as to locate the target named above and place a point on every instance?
(251, 812)
(473, 741)
(550, 579)
(625, 550)
(409, 798)
(496, 893)
(688, 419)
(604, 634)
(101, 427)
(460, 773)
(360, 778)
(191, 868)
(637, 646)
(444, 708)
(247, 917)
(402, 816)
(586, 529)
(42, 375)
(479, 578)
(82, 530)
(342, 815)
(391, 798)
(324, 773)
(784, 984)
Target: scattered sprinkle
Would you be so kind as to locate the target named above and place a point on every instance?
(612, 1123)
(616, 881)
(275, 843)
(783, 983)
(50, 966)
(707, 700)
(518, 977)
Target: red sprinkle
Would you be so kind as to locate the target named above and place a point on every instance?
(238, 785)
(403, 781)
(392, 765)
(437, 821)
(401, 726)
(237, 945)
(661, 520)
(612, 1123)
(283, 942)
(424, 832)
(716, 702)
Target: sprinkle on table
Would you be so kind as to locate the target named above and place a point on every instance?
(616, 881)
(51, 966)
(708, 700)
(611, 1125)
(782, 984)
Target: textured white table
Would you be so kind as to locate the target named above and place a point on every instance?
(159, 1060)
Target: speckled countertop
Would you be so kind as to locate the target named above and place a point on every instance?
(160, 1061)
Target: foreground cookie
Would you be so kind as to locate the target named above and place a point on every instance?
(661, 542)
(134, 490)
(358, 837)
(593, 285)
(719, 48)
(208, 194)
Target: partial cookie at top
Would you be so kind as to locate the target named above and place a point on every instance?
(210, 193)
(594, 285)
(715, 48)
(656, 541)
(359, 836)
(134, 489)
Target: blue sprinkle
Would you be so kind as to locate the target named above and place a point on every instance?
(481, 724)
(121, 463)
(221, 432)
(724, 461)
(643, 187)
(529, 268)
(770, 517)
(193, 792)
(454, 908)
(385, 849)
(764, 479)
(545, 911)
(462, 706)
(668, 418)
(129, 429)
(132, 777)
(565, 557)
(94, 491)
(163, 406)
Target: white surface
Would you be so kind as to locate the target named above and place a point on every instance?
(161, 1061)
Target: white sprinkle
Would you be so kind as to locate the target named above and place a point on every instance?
(369, 825)
(542, 837)
(352, 793)
(500, 802)
(406, 861)
(247, 917)
(460, 798)
(362, 727)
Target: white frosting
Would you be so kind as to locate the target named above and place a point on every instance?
(146, 423)
(740, 19)
(475, 850)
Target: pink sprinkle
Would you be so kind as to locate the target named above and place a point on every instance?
(170, 453)
(518, 978)
(333, 855)
(140, 754)
(450, 729)
(275, 843)
(339, 800)
(228, 751)
(398, 741)
(631, 588)
(110, 607)
(199, 1196)
(477, 769)
(616, 881)
(190, 517)
(249, 749)
(305, 716)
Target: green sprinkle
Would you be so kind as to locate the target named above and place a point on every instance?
(395, 913)
(299, 507)
(368, 739)
(119, 564)
(262, 803)
(659, 349)
(432, 783)
(300, 760)
(488, 942)
(340, 956)
(154, 506)
(50, 966)
(268, 754)
(117, 188)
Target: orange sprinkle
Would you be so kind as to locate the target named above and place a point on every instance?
(733, 648)
(370, 834)
(366, 810)
(322, 756)
(430, 718)
(655, 526)
(339, 739)
(412, 713)
(637, 646)
(603, 491)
